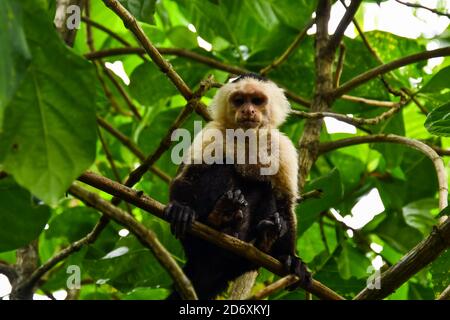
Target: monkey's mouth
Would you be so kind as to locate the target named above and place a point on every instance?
(248, 123)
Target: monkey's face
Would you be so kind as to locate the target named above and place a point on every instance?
(249, 106)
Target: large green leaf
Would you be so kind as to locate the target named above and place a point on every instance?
(21, 217)
(49, 128)
(15, 51)
(440, 270)
(142, 10)
(439, 82)
(309, 210)
(352, 262)
(418, 215)
(438, 121)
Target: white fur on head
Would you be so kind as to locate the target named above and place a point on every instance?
(278, 106)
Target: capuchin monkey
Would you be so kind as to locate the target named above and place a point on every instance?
(248, 191)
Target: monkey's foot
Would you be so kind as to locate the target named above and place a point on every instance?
(228, 209)
(274, 226)
(296, 266)
(180, 218)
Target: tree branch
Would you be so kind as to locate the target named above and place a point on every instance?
(419, 6)
(293, 46)
(415, 260)
(130, 145)
(9, 271)
(336, 38)
(341, 117)
(60, 20)
(274, 287)
(63, 254)
(200, 230)
(144, 235)
(111, 33)
(445, 295)
(340, 66)
(377, 71)
(391, 138)
(309, 142)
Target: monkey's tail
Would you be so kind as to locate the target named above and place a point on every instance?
(243, 285)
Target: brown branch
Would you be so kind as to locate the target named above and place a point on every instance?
(136, 175)
(309, 142)
(370, 102)
(130, 145)
(165, 67)
(111, 33)
(419, 6)
(200, 230)
(145, 236)
(340, 66)
(377, 71)
(341, 117)
(391, 138)
(313, 194)
(9, 271)
(274, 287)
(66, 252)
(445, 295)
(415, 260)
(213, 63)
(336, 38)
(292, 47)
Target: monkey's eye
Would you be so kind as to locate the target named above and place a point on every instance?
(238, 101)
(258, 101)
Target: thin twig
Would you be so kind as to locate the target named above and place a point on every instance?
(339, 66)
(350, 120)
(292, 47)
(377, 71)
(313, 194)
(111, 33)
(419, 6)
(122, 92)
(391, 138)
(445, 295)
(130, 145)
(145, 236)
(274, 287)
(222, 240)
(336, 38)
(63, 254)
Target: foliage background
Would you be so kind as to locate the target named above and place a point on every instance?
(50, 96)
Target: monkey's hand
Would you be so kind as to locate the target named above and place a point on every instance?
(274, 226)
(229, 209)
(180, 218)
(294, 265)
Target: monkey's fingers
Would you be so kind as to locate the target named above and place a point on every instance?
(295, 265)
(180, 218)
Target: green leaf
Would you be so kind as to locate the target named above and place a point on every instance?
(182, 37)
(352, 263)
(21, 218)
(438, 121)
(439, 82)
(146, 294)
(49, 129)
(15, 51)
(148, 84)
(440, 271)
(142, 10)
(418, 215)
(309, 210)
